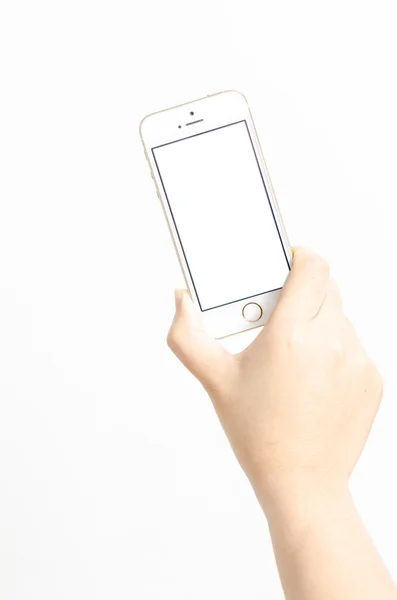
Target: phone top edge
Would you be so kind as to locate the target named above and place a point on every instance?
(157, 112)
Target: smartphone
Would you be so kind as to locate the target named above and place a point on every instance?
(211, 178)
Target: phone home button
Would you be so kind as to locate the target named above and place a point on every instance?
(252, 312)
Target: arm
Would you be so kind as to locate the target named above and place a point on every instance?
(297, 406)
(322, 548)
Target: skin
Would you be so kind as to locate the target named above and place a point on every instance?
(297, 406)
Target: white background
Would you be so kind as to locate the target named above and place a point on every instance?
(115, 478)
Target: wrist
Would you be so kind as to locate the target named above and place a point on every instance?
(303, 496)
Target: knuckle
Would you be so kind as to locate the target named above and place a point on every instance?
(373, 384)
(378, 380)
(321, 267)
(380, 384)
(173, 339)
(359, 361)
(364, 365)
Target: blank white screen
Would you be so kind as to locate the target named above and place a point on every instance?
(221, 211)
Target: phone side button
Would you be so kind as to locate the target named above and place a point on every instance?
(252, 312)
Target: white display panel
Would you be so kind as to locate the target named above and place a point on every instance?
(222, 214)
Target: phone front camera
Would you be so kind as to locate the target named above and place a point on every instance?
(191, 113)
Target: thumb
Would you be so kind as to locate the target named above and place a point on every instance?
(306, 287)
(200, 353)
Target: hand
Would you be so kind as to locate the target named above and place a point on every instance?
(299, 402)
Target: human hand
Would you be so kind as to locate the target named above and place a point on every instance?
(297, 404)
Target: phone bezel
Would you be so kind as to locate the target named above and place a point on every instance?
(211, 112)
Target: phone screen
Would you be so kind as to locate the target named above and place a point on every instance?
(223, 216)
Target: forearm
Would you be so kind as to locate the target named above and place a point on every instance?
(322, 549)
